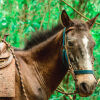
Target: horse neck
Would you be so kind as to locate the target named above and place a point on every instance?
(48, 57)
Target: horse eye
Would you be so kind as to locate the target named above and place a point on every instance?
(94, 58)
(70, 43)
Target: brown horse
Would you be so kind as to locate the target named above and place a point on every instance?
(42, 65)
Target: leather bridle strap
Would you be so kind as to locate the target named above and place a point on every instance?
(66, 59)
(64, 53)
(77, 72)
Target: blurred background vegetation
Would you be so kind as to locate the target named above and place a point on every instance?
(19, 18)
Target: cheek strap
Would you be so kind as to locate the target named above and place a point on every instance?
(77, 72)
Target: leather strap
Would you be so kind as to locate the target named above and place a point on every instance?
(65, 59)
(77, 72)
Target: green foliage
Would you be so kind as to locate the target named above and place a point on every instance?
(19, 18)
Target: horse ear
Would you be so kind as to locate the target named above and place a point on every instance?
(91, 22)
(65, 19)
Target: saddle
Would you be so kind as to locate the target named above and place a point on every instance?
(5, 56)
(7, 72)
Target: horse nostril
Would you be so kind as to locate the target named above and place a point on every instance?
(84, 87)
(94, 85)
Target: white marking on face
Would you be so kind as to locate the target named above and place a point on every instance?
(87, 61)
(90, 78)
(77, 59)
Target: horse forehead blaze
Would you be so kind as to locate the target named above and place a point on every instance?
(88, 63)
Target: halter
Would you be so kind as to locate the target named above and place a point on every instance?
(66, 60)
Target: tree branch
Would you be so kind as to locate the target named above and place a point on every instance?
(79, 12)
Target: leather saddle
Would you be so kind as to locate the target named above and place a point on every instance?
(6, 56)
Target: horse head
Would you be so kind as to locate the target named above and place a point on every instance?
(79, 46)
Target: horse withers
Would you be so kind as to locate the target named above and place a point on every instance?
(46, 58)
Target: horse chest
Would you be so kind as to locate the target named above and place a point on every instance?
(31, 82)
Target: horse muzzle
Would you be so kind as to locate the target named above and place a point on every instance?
(86, 84)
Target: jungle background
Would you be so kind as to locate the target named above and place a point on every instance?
(20, 18)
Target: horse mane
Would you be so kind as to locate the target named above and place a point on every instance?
(39, 37)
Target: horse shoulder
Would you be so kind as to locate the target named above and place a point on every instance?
(32, 86)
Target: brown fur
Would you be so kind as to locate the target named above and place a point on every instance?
(39, 86)
(41, 66)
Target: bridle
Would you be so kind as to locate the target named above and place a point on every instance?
(66, 62)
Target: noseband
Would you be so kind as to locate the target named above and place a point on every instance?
(66, 60)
